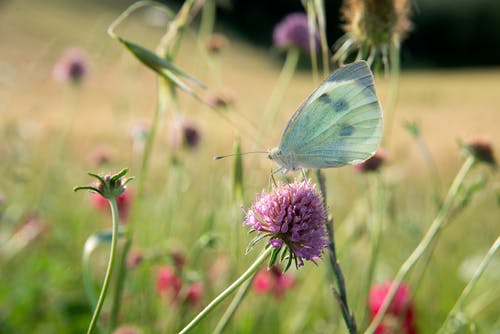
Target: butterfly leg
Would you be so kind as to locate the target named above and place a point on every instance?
(304, 176)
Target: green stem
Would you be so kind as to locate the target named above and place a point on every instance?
(341, 294)
(238, 298)
(377, 207)
(466, 292)
(111, 261)
(120, 280)
(320, 14)
(311, 20)
(394, 92)
(223, 295)
(431, 234)
(207, 19)
(161, 104)
(286, 74)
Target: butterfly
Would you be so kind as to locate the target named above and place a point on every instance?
(340, 123)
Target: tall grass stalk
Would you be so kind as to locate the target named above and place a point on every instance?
(458, 307)
(424, 244)
(285, 76)
(395, 73)
(377, 207)
(311, 19)
(231, 309)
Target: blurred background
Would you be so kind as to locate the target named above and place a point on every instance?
(52, 133)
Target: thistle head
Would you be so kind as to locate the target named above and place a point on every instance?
(293, 217)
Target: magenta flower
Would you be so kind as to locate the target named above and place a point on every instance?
(72, 66)
(400, 314)
(293, 32)
(293, 215)
(194, 293)
(274, 281)
(168, 283)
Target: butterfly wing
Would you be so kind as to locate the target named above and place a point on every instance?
(339, 123)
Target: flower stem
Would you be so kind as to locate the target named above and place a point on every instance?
(320, 15)
(377, 207)
(238, 298)
(120, 280)
(431, 234)
(245, 276)
(394, 91)
(466, 292)
(107, 276)
(341, 294)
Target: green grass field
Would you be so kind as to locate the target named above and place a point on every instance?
(49, 134)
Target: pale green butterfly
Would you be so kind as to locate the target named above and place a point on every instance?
(340, 123)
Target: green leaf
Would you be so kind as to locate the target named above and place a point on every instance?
(274, 256)
(162, 66)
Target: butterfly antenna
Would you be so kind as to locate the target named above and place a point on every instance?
(218, 157)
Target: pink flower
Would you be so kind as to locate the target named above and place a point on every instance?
(194, 293)
(72, 66)
(293, 31)
(168, 283)
(127, 329)
(123, 202)
(293, 215)
(272, 281)
(400, 314)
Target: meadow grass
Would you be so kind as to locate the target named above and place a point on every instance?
(188, 205)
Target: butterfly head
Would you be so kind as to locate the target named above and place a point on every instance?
(286, 161)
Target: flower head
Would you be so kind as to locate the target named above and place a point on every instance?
(374, 25)
(72, 66)
(194, 293)
(293, 215)
(185, 134)
(168, 283)
(274, 281)
(293, 32)
(123, 202)
(400, 314)
(373, 163)
(481, 150)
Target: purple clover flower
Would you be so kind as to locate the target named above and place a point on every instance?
(292, 214)
(72, 66)
(293, 31)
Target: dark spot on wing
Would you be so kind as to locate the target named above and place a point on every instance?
(325, 99)
(340, 105)
(346, 130)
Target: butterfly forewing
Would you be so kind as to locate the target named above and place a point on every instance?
(339, 123)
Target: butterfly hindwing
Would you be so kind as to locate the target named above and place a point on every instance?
(340, 122)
